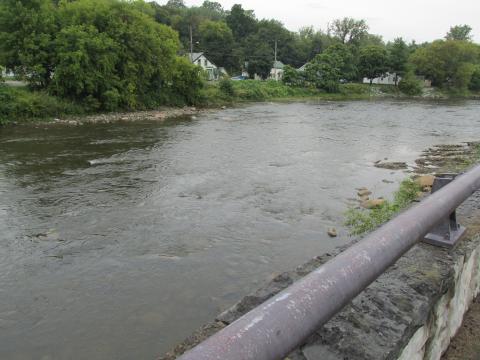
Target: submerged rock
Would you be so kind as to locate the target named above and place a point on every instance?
(373, 203)
(392, 165)
(364, 192)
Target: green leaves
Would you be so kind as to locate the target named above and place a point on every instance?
(373, 61)
(448, 63)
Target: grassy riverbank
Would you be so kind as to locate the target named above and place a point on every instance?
(19, 104)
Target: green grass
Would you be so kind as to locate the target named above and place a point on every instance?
(20, 104)
(252, 90)
(362, 221)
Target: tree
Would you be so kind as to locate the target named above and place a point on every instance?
(216, 39)
(27, 31)
(176, 4)
(373, 62)
(448, 63)
(398, 57)
(460, 32)
(475, 80)
(348, 30)
(324, 73)
(242, 23)
(293, 77)
(345, 61)
(110, 54)
(260, 61)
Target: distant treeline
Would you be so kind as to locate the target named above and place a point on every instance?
(116, 54)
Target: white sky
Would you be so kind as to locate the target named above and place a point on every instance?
(420, 20)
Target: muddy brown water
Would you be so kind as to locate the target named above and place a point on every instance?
(118, 240)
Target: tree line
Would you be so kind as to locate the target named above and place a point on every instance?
(113, 54)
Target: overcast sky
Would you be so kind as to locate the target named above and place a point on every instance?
(421, 20)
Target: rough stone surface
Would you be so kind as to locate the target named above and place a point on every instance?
(398, 315)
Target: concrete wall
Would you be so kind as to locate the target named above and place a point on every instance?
(411, 312)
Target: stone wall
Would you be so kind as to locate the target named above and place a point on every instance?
(411, 312)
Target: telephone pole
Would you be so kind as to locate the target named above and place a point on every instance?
(191, 43)
(275, 63)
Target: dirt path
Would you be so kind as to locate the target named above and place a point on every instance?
(466, 345)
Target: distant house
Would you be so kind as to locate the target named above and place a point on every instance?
(213, 72)
(303, 67)
(277, 71)
(386, 79)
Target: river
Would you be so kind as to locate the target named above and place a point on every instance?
(118, 240)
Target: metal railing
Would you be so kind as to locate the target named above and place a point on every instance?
(284, 322)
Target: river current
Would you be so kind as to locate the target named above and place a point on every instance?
(118, 240)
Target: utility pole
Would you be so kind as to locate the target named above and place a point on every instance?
(275, 63)
(191, 43)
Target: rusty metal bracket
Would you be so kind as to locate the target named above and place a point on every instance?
(448, 232)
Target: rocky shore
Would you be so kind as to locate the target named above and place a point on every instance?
(161, 114)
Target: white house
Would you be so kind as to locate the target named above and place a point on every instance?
(213, 72)
(386, 79)
(277, 71)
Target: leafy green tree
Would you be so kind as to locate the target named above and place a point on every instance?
(460, 32)
(176, 4)
(216, 39)
(348, 30)
(293, 77)
(242, 22)
(27, 31)
(260, 61)
(409, 85)
(324, 72)
(398, 53)
(448, 63)
(475, 80)
(346, 62)
(373, 62)
(110, 54)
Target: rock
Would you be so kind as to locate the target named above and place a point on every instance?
(364, 192)
(392, 165)
(364, 198)
(224, 107)
(387, 181)
(332, 232)
(373, 203)
(426, 181)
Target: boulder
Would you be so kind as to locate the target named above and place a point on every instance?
(364, 192)
(373, 203)
(426, 181)
(332, 232)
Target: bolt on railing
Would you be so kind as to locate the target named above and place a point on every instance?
(282, 323)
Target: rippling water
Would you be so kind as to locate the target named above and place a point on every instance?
(117, 240)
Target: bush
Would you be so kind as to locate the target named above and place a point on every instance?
(410, 86)
(362, 221)
(21, 104)
(475, 80)
(226, 86)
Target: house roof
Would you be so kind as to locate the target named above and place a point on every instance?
(278, 65)
(194, 56)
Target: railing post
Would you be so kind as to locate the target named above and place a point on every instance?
(448, 232)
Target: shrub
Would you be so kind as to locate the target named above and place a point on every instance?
(475, 80)
(227, 88)
(21, 104)
(409, 85)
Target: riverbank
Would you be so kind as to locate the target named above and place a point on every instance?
(19, 105)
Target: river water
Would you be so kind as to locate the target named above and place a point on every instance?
(118, 240)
